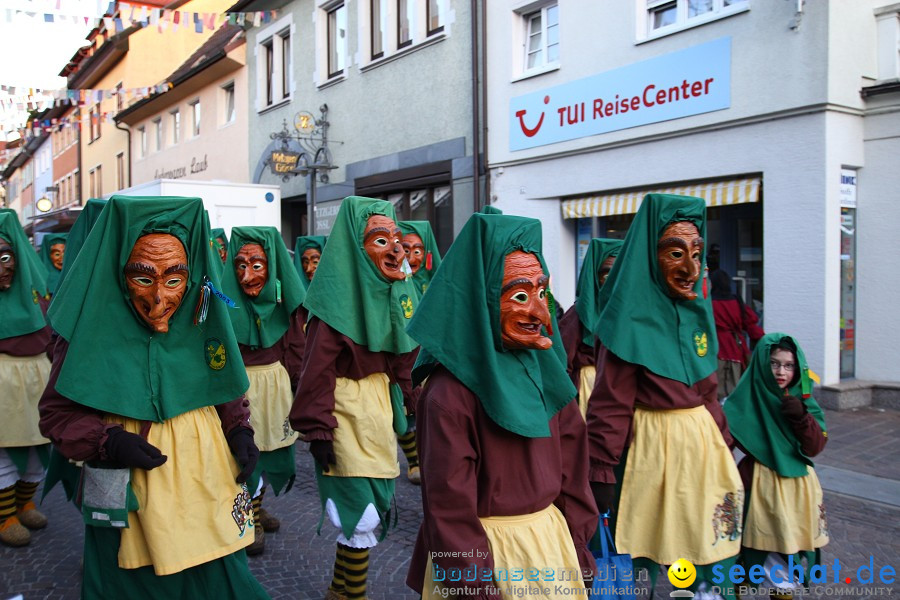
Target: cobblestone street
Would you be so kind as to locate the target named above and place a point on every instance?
(297, 563)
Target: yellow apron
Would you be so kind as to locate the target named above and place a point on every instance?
(191, 510)
(270, 404)
(586, 376)
(22, 381)
(682, 496)
(539, 541)
(364, 441)
(786, 514)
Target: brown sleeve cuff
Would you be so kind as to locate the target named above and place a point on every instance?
(602, 474)
(319, 434)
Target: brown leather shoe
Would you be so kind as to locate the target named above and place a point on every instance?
(330, 594)
(31, 517)
(269, 523)
(12, 533)
(259, 542)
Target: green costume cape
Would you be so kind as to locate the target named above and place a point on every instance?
(20, 309)
(423, 229)
(754, 415)
(458, 326)
(260, 322)
(215, 234)
(115, 362)
(79, 232)
(640, 323)
(53, 274)
(587, 292)
(304, 243)
(351, 295)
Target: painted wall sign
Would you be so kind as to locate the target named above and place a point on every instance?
(684, 83)
(197, 166)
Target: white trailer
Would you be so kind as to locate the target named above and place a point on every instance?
(228, 204)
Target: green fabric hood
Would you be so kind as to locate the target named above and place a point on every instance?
(587, 301)
(90, 212)
(754, 415)
(53, 274)
(115, 362)
(20, 309)
(304, 243)
(423, 230)
(640, 323)
(351, 295)
(260, 322)
(458, 326)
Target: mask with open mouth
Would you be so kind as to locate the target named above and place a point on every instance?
(251, 265)
(523, 303)
(156, 276)
(381, 240)
(57, 252)
(679, 253)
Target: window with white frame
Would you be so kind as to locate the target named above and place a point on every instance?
(406, 17)
(228, 110)
(433, 17)
(378, 19)
(158, 133)
(176, 126)
(120, 171)
(667, 15)
(541, 37)
(273, 56)
(95, 122)
(96, 181)
(142, 139)
(337, 40)
(195, 117)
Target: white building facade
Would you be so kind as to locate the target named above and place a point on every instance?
(782, 115)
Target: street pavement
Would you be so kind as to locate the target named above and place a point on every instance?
(859, 469)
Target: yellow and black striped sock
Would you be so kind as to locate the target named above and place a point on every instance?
(408, 444)
(337, 581)
(356, 571)
(256, 502)
(25, 492)
(7, 503)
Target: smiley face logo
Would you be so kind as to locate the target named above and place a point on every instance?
(682, 573)
(531, 131)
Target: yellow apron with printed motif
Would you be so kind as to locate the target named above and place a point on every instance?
(22, 382)
(586, 376)
(191, 510)
(682, 495)
(270, 404)
(365, 444)
(538, 541)
(786, 514)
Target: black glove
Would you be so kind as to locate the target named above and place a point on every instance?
(131, 450)
(240, 441)
(323, 452)
(792, 408)
(604, 495)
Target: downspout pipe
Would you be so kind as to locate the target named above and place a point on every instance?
(484, 99)
(128, 133)
(476, 126)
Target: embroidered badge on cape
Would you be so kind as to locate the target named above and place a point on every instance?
(701, 343)
(407, 305)
(727, 521)
(242, 510)
(215, 354)
(35, 296)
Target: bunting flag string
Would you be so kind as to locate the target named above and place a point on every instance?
(22, 98)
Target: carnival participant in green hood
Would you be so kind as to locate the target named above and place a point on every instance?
(268, 323)
(654, 398)
(219, 242)
(423, 258)
(578, 323)
(421, 251)
(355, 379)
(780, 427)
(24, 370)
(504, 467)
(53, 250)
(148, 390)
(307, 254)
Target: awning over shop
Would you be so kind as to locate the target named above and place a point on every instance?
(717, 193)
